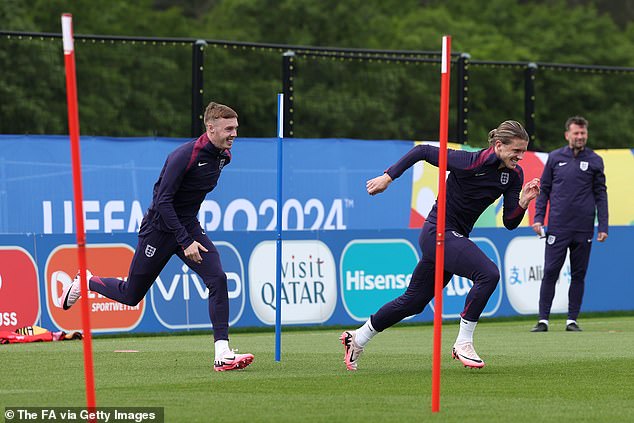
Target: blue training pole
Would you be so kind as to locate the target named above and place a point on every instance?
(278, 269)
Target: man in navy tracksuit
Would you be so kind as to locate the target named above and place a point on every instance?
(171, 227)
(476, 180)
(574, 183)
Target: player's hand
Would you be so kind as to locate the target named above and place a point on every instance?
(379, 184)
(193, 252)
(602, 236)
(538, 228)
(529, 192)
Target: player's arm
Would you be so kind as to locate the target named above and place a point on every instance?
(601, 200)
(456, 159)
(171, 180)
(541, 202)
(517, 200)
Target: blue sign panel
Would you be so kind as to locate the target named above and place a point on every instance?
(324, 187)
(179, 297)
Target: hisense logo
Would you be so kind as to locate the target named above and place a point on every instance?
(373, 272)
(359, 281)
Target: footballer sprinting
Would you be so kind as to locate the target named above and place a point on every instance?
(171, 226)
(475, 181)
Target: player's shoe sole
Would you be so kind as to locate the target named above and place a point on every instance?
(239, 361)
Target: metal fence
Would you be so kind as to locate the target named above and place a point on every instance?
(125, 78)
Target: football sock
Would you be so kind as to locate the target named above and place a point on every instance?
(543, 321)
(365, 333)
(570, 321)
(466, 331)
(221, 346)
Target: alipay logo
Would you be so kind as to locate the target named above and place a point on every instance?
(374, 272)
(524, 264)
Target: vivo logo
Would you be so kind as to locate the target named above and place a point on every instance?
(180, 298)
(190, 281)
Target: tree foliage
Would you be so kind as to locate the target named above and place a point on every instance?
(137, 89)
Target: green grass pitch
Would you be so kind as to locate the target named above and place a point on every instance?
(556, 376)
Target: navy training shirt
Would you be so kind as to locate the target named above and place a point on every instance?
(190, 172)
(575, 188)
(475, 181)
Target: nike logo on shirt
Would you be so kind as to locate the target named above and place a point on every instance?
(202, 163)
(563, 163)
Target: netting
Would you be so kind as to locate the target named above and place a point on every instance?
(381, 100)
(254, 98)
(143, 87)
(121, 87)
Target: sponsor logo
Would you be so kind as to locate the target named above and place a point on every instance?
(149, 250)
(180, 298)
(238, 214)
(504, 178)
(524, 270)
(480, 174)
(374, 272)
(105, 260)
(309, 282)
(562, 163)
(19, 289)
(455, 293)
(457, 234)
(202, 164)
(583, 165)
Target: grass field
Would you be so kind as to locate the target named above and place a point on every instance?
(530, 377)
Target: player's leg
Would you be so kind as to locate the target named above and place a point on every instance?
(554, 257)
(464, 258)
(579, 257)
(467, 260)
(152, 253)
(214, 277)
(417, 295)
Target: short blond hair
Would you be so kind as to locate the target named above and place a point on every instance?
(218, 111)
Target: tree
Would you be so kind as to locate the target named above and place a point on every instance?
(137, 89)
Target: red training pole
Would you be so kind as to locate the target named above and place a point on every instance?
(73, 125)
(440, 226)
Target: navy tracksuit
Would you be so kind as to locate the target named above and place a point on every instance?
(171, 225)
(475, 181)
(575, 188)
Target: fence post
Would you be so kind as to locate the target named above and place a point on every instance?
(529, 103)
(288, 72)
(462, 93)
(198, 55)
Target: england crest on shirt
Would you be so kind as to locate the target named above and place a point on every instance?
(504, 178)
(149, 250)
(222, 164)
(583, 166)
(551, 239)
